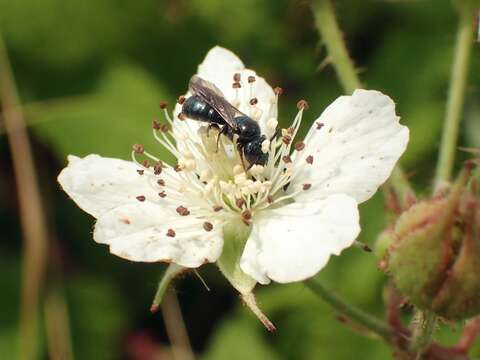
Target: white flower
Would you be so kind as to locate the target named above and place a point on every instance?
(296, 211)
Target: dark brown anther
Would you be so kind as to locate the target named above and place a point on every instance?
(181, 99)
(302, 104)
(146, 163)
(156, 125)
(140, 172)
(217, 208)
(290, 130)
(319, 125)
(163, 105)
(251, 79)
(177, 168)
(307, 186)
(309, 159)
(236, 85)
(162, 194)
(299, 146)
(287, 159)
(286, 139)
(141, 198)
(253, 101)
(171, 233)
(138, 148)
(182, 211)
(239, 202)
(181, 116)
(207, 226)
(278, 91)
(164, 128)
(157, 169)
(161, 182)
(246, 215)
(236, 77)
(270, 199)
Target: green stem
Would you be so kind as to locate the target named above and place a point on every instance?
(423, 332)
(350, 311)
(337, 52)
(172, 271)
(456, 93)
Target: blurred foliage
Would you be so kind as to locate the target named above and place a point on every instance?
(91, 75)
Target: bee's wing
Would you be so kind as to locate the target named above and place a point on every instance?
(214, 97)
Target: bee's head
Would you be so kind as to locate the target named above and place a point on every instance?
(253, 152)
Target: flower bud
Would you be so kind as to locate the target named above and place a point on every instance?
(435, 257)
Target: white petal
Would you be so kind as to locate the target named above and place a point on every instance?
(355, 150)
(294, 242)
(138, 232)
(218, 67)
(98, 184)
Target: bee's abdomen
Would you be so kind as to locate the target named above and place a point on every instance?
(197, 109)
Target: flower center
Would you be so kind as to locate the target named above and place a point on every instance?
(210, 173)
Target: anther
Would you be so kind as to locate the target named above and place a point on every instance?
(253, 101)
(302, 104)
(141, 198)
(270, 199)
(161, 182)
(171, 233)
(182, 211)
(156, 125)
(240, 202)
(246, 215)
(309, 159)
(162, 194)
(286, 139)
(164, 128)
(146, 163)
(299, 146)
(319, 125)
(157, 169)
(163, 105)
(217, 208)
(251, 79)
(287, 159)
(181, 99)
(278, 91)
(181, 116)
(236, 85)
(307, 186)
(140, 171)
(290, 130)
(207, 226)
(138, 148)
(236, 77)
(177, 168)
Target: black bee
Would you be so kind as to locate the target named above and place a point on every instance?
(208, 104)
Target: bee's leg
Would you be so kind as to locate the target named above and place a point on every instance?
(211, 125)
(240, 151)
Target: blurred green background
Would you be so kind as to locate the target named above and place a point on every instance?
(90, 76)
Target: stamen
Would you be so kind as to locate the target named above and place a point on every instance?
(161, 182)
(287, 159)
(278, 91)
(171, 233)
(319, 125)
(146, 164)
(162, 194)
(181, 100)
(141, 198)
(246, 216)
(207, 226)
(140, 172)
(253, 101)
(138, 148)
(299, 146)
(217, 208)
(163, 105)
(182, 211)
(240, 202)
(306, 186)
(156, 125)
(236, 77)
(181, 116)
(309, 159)
(302, 105)
(157, 169)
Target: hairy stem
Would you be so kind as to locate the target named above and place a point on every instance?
(349, 310)
(327, 25)
(456, 94)
(426, 322)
